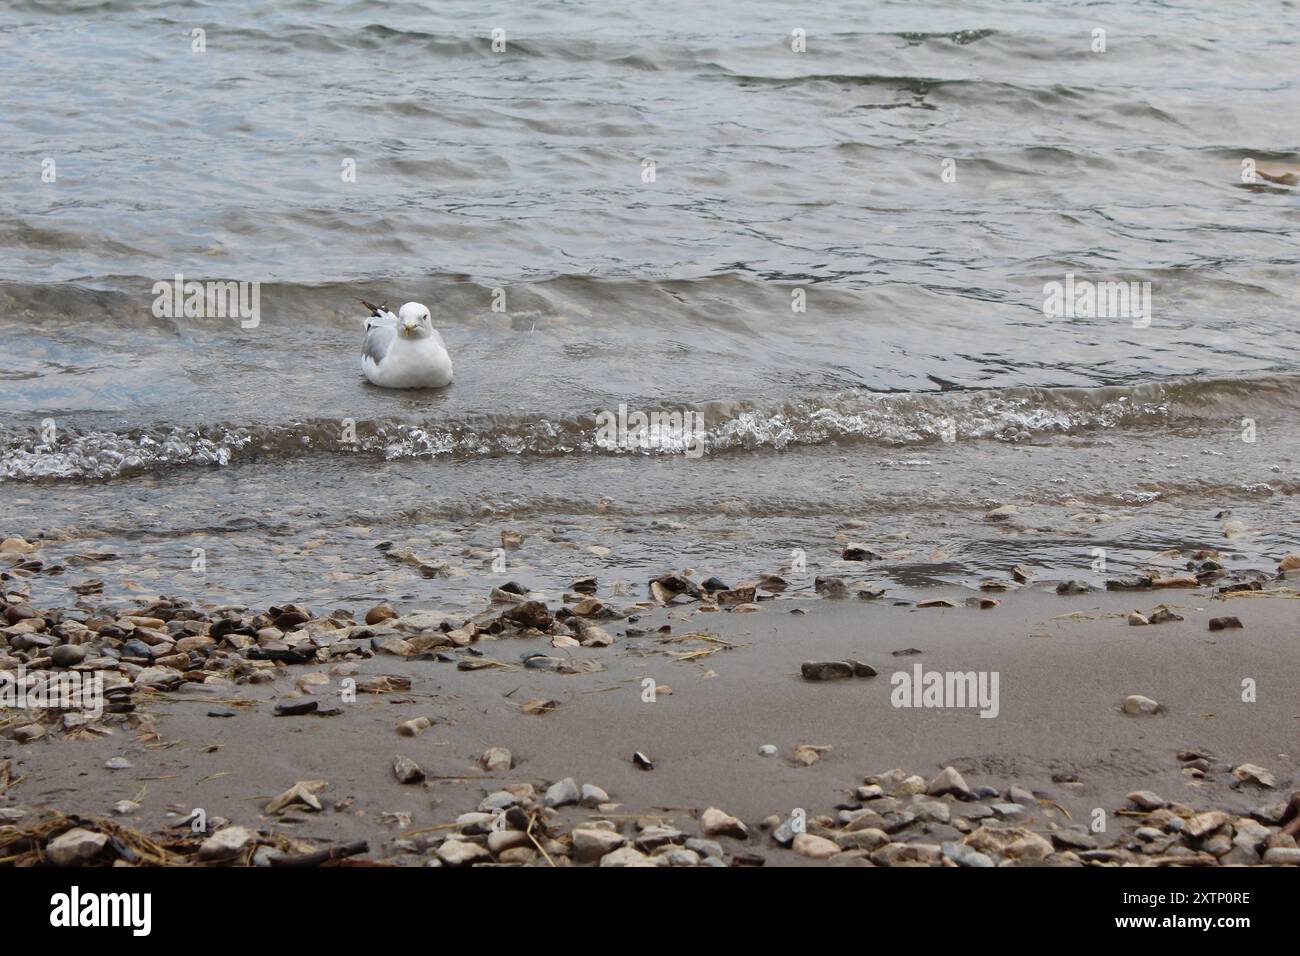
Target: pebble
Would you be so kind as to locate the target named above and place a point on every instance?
(590, 844)
(1137, 619)
(627, 856)
(380, 613)
(407, 770)
(1250, 773)
(717, 823)
(562, 793)
(709, 849)
(76, 847)
(1147, 800)
(950, 781)
(68, 655)
(963, 855)
(497, 760)
(835, 670)
(226, 843)
(414, 726)
(455, 852)
(1224, 623)
(767, 750)
(814, 847)
(1282, 856)
(1136, 704)
(592, 795)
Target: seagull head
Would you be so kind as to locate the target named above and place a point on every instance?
(414, 321)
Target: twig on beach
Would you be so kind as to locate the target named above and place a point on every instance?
(323, 856)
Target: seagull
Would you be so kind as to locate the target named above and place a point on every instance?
(404, 350)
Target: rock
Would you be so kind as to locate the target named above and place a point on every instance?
(1289, 563)
(1073, 587)
(906, 854)
(593, 796)
(767, 750)
(497, 801)
(643, 761)
(414, 727)
(831, 587)
(455, 852)
(1020, 795)
(591, 635)
(590, 844)
(562, 793)
(499, 841)
(717, 823)
(530, 614)
(1163, 615)
(380, 613)
(1137, 705)
(627, 856)
(118, 763)
(910, 786)
(963, 855)
(1146, 800)
(226, 843)
(407, 770)
(1137, 619)
(1250, 773)
(301, 794)
(1282, 856)
(75, 847)
(936, 602)
(497, 760)
(807, 754)
(949, 781)
(705, 848)
(856, 552)
(392, 645)
(1175, 581)
(652, 838)
(825, 670)
(68, 655)
(678, 856)
(1001, 513)
(814, 847)
(1203, 824)
(1224, 623)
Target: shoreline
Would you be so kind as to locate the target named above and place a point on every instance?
(874, 783)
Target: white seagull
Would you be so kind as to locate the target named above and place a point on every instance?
(404, 350)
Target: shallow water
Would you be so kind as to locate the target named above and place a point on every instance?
(921, 383)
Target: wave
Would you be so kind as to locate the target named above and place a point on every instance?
(709, 428)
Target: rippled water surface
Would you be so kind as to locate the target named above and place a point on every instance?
(862, 336)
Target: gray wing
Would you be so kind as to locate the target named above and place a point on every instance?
(380, 332)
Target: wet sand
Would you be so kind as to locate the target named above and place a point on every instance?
(1065, 665)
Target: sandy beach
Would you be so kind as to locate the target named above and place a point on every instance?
(700, 687)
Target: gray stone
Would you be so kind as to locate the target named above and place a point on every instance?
(562, 793)
(963, 855)
(75, 847)
(949, 781)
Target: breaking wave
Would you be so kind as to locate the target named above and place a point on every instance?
(886, 420)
